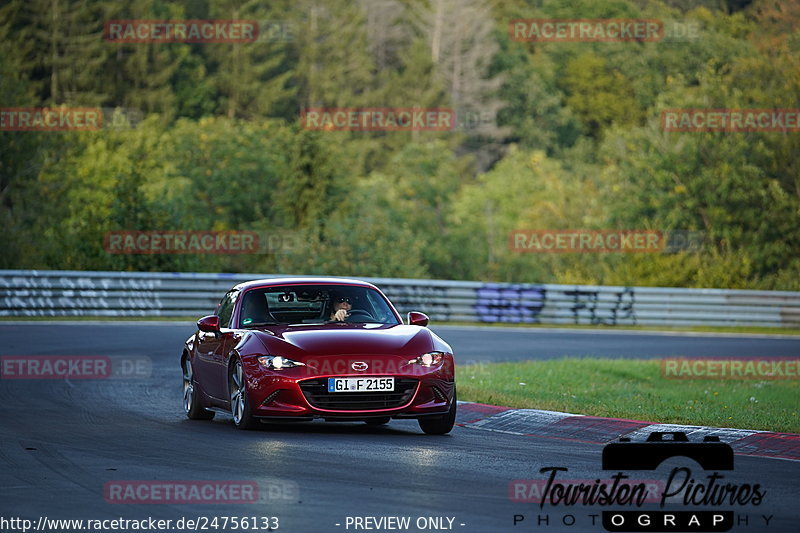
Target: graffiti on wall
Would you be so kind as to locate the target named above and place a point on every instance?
(510, 303)
(67, 282)
(433, 301)
(496, 302)
(57, 296)
(587, 308)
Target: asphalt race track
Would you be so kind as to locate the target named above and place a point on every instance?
(62, 442)
(514, 344)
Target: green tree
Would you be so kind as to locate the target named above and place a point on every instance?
(58, 44)
(599, 95)
(253, 79)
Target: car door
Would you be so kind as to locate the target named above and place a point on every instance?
(211, 361)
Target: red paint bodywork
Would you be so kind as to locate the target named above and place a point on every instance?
(328, 350)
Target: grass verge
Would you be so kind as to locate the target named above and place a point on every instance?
(633, 389)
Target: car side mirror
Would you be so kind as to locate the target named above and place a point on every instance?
(418, 319)
(209, 324)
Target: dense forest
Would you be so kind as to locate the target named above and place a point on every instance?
(549, 135)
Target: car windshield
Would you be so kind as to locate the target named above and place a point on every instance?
(313, 304)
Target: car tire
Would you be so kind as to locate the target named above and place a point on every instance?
(240, 405)
(191, 395)
(440, 425)
(378, 421)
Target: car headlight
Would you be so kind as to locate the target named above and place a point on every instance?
(428, 359)
(276, 362)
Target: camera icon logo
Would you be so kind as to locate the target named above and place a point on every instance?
(711, 454)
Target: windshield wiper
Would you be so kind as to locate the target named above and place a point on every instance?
(259, 324)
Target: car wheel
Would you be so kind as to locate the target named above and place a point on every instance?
(191, 400)
(440, 425)
(240, 406)
(378, 421)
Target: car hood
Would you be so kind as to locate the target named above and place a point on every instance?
(346, 339)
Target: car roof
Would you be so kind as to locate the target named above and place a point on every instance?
(301, 280)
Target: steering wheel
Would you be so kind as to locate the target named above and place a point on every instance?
(360, 313)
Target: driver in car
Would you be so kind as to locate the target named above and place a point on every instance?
(341, 308)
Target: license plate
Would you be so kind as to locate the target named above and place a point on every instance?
(360, 384)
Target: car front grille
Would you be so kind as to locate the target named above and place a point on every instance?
(316, 392)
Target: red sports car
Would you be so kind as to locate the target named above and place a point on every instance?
(304, 348)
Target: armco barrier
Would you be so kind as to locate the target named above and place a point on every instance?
(25, 293)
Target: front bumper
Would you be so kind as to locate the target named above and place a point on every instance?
(301, 393)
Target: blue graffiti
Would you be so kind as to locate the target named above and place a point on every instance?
(510, 303)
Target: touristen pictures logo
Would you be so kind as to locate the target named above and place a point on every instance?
(704, 499)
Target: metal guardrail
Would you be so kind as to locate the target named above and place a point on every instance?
(26, 293)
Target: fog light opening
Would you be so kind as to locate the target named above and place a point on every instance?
(271, 398)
